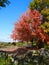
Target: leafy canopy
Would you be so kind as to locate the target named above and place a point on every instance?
(39, 4)
(3, 3)
(34, 23)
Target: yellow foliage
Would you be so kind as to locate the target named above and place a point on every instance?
(45, 27)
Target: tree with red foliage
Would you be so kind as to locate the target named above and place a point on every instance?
(28, 27)
(24, 28)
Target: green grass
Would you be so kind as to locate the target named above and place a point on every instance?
(4, 60)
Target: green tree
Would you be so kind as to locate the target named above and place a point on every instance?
(3, 3)
(39, 4)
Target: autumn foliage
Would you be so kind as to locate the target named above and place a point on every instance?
(33, 24)
(28, 27)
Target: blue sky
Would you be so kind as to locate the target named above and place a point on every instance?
(9, 15)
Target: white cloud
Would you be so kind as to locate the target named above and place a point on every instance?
(5, 37)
